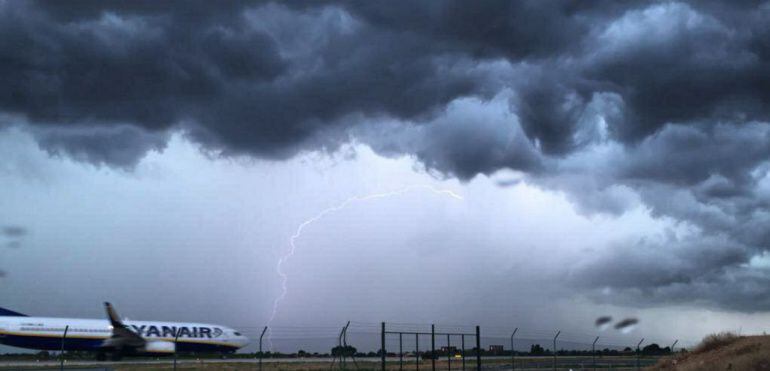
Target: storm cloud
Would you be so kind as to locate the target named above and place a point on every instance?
(662, 102)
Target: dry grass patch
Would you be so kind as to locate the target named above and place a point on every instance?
(715, 341)
(723, 351)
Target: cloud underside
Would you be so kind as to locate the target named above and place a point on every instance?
(664, 103)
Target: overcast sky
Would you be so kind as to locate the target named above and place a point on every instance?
(611, 159)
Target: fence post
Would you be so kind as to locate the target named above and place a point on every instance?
(593, 353)
(417, 351)
(433, 347)
(382, 339)
(462, 352)
(478, 348)
(176, 338)
(61, 355)
(554, 349)
(344, 346)
(448, 355)
(400, 351)
(261, 355)
(637, 353)
(513, 353)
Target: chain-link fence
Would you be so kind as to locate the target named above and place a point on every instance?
(388, 346)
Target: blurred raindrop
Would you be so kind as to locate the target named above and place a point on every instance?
(12, 231)
(627, 325)
(603, 322)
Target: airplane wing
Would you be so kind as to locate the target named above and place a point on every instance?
(122, 336)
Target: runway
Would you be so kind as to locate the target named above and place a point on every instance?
(369, 363)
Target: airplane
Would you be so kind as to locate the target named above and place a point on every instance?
(116, 337)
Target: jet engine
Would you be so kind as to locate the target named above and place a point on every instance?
(159, 346)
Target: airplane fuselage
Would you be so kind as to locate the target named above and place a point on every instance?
(45, 333)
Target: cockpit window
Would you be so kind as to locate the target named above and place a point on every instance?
(237, 333)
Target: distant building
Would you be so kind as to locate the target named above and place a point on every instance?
(496, 349)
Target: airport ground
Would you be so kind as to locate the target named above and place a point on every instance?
(311, 364)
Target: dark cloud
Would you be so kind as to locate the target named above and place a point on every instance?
(690, 271)
(267, 79)
(443, 142)
(639, 264)
(218, 75)
(101, 66)
(660, 102)
(673, 62)
(117, 146)
(711, 178)
(719, 160)
(736, 288)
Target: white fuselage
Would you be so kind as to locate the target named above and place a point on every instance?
(91, 334)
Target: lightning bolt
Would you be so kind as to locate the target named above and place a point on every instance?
(321, 215)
